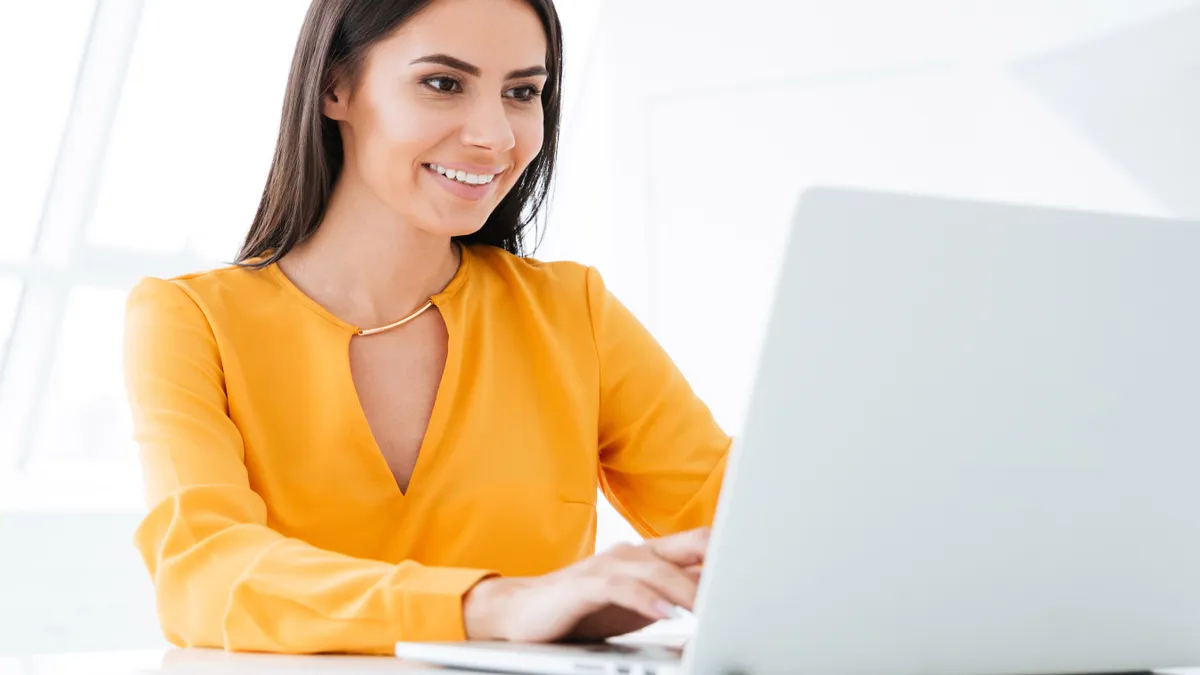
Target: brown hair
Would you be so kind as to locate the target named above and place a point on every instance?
(335, 38)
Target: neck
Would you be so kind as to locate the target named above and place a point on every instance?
(366, 266)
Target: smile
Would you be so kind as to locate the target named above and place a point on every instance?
(461, 176)
(473, 187)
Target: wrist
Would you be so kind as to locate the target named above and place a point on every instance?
(483, 608)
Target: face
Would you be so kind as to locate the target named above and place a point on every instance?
(446, 112)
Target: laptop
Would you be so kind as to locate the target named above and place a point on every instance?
(973, 448)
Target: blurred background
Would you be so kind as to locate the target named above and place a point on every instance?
(137, 136)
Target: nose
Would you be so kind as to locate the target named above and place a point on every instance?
(487, 126)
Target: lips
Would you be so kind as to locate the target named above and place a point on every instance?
(462, 189)
(464, 176)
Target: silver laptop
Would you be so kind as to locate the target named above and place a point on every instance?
(973, 449)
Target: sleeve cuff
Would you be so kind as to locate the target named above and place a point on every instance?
(432, 603)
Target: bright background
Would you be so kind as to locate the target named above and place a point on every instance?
(137, 136)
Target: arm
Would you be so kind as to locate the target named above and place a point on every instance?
(662, 456)
(222, 578)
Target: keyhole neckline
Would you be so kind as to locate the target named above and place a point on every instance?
(456, 283)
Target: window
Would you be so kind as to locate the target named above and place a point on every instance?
(10, 293)
(146, 156)
(85, 387)
(196, 129)
(51, 35)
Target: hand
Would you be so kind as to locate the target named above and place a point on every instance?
(622, 590)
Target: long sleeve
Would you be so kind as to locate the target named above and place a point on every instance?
(662, 455)
(222, 577)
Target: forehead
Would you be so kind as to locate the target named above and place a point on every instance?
(495, 35)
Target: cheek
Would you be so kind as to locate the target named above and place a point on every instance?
(402, 132)
(528, 134)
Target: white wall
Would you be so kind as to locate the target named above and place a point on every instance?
(702, 124)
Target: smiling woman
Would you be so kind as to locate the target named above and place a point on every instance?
(397, 96)
(384, 423)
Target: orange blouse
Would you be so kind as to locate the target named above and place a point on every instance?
(275, 523)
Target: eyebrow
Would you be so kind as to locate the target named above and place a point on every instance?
(459, 64)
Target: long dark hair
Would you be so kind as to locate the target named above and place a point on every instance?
(335, 38)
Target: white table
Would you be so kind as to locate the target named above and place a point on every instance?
(202, 662)
(209, 662)
(216, 662)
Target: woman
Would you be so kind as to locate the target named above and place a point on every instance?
(384, 424)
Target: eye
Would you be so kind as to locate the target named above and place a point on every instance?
(443, 84)
(524, 93)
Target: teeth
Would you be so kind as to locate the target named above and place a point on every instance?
(463, 176)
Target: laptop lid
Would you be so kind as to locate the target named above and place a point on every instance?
(973, 448)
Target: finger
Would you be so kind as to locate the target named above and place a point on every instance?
(694, 572)
(639, 597)
(667, 579)
(684, 549)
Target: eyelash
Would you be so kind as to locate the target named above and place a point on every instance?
(533, 92)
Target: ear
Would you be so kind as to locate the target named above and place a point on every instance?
(335, 103)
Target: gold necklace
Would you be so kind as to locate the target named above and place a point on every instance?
(410, 317)
(396, 324)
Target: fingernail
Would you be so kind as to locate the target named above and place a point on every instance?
(666, 610)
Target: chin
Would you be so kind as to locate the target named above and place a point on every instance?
(455, 229)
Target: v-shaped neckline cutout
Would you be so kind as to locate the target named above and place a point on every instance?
(442, 402)
(380, 471)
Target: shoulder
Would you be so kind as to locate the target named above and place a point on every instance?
(206, 292)
(497, 262)
(564, 295)
(200, 317)
(534, 279)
